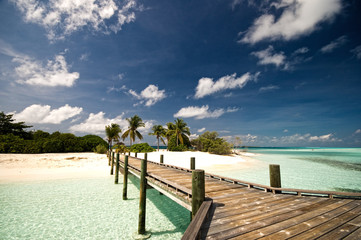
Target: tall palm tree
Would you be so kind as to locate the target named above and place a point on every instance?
(112, 131)
(170, 131)
(159, 132)
(181, 130)
(135, 122)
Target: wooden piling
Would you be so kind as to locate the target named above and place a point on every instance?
(275, 176)
(193, 163)
(125, 179)
(135, 154)
(112, 164)
(143, 196)
(116, 179)
(198, 190)
(109, 157)
(161, 158)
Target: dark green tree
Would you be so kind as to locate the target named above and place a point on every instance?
(159, 132)
(112, 133)
(9, 126)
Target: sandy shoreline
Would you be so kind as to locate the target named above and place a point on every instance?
(39, 167)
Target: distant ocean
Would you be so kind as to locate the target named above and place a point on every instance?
(333, 169)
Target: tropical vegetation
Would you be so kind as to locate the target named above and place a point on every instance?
(135, 122)
(212, 143)
(141, 148)
(112, 133)
(15, 139)
(159, 132)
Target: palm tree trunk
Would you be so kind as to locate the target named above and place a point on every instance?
(158, 143)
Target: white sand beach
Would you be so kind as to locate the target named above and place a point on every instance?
(35, 167)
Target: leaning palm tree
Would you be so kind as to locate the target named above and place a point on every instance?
(159, 132)
(112, 131)
(135, 122)
(181, 130)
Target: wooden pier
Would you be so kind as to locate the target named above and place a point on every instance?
(234, 209)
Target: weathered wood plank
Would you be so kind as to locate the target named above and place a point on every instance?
(343, 230)
(356, 235)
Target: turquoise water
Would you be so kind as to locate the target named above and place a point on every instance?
(85, 209)
(334, 169)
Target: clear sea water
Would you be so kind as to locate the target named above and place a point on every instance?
(333, 169)
(85, 209)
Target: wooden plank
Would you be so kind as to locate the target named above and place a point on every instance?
(356, 235)
(329, 225)
(267, 230)
(193, 230)
(343, 230)
(236, 228)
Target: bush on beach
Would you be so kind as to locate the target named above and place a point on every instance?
(210, 142)
(141, 148)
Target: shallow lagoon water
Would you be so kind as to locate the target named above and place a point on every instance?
(85, 209)
(333, 169)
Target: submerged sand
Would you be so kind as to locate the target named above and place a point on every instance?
(36, 167)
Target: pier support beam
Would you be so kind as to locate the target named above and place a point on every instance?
(193, 163)
(125, 179)
(161, 158)
(112, 164)
(109, 156)
(135, 155)
(143, 197)
(275, 176)
(198, 190)
(116, 179)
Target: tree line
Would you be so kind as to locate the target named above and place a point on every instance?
(15, 139)
(177, 136)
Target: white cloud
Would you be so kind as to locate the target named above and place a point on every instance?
(202, 112)
(63, 17)
(84, 57)
(206, 86)
(324, 138)
(298, 18)
(43, 114)
(334, 44)
(308, 138)
(269, 88)
(358, 131)
(357, 51)
(201, 130)
(285, 131)
(302, 50)
(96, 123)
(268, 56)
(149, 96)
(55, 73)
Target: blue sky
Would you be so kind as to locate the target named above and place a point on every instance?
(275, 73)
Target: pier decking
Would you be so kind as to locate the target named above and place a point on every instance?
(240, 210)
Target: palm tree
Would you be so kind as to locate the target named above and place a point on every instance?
(112, 133)
(170, 131)
(181, 130)
(158, 131)
(134, 123)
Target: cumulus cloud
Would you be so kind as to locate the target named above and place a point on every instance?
(54, 73)
(298, 18)
(358, 131)
(334, 44)
(149, 96)
(206, 86)
(268, 56)
(201, 130)
(63, 17)
(202, 112)
(302, 50)
(357, 51)
(269, 88)
(96, 123)
(309, 138)
(43, 114)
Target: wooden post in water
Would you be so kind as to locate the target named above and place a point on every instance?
(161, 158)
(125, 179)
(275, 176)
(116, 169)
(112, 164)
(193, 163)
(143, 196)
(198, 190)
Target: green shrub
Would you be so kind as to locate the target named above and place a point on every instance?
(172, 145)
(179, 148)
(101, 149)
(141, 148)
(210, 142)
